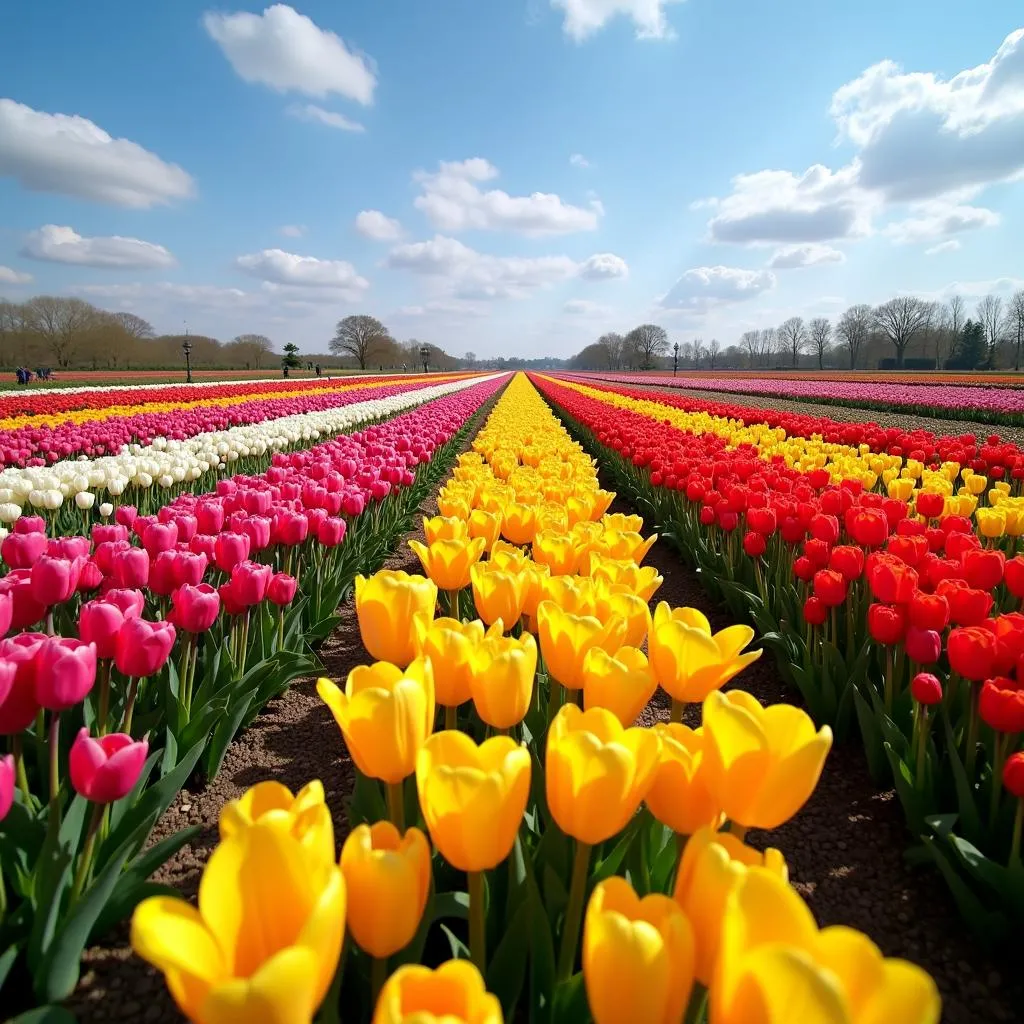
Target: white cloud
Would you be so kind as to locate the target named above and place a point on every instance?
(795, 257)
(71, 155)
(453, 309)
(56, 244)
(311, 112)
(584, 307)
(293, 230)
(603, 266)
(936, 219)
(207, 296)
(453, 201)
(378, 226)
(1003, 286)
(579, 160)
(277, 267)
(950, 245)
(702, 289)
(287, 51)
(585, 17)
(11, 276)
(474, 275)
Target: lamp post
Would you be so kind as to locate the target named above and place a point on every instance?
(424, 356)
(675, 358)
(186, 347)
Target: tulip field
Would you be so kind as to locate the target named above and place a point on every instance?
(564, 802)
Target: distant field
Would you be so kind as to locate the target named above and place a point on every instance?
(979, 378)
(102, 378)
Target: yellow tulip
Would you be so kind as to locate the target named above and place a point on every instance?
(535, 576)
(774, 959)
(574, 594)
(444, 528)
(616, 600)
(597, 772)
(455, 506)
(559, 552)
(761, 764)
(688, 660)
(387, 605)
(264, 942)
(622, 682)
(508, 557)
(387, 876)
(304, 815)
(991, 521)
(384, 714)
(679, 796)
(519, 522)
(638, 956)
(642, 580)
(709, 870)
(452, 994)
(473, 797)
(566, 638)
(449, 645)
(622, 523)
(447, 562)
(503, 671)
(485, 524)
(498, 594)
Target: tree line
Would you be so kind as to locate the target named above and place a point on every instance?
(904, 333)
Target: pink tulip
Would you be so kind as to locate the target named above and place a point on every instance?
(126, 515)
(290, 528)
(202, 544)
(30, 524)
(189, 568)
(25, 609)
(158, 537)
(353, 503)
(6, 612)
(19, 707)
(130, 568)
(229, 598)
(257, 529)
(54, 580)
(187, 526)
(230, 549)
(103, 533)
(98, 624)
(210, 517)
(195, 608)
(130, 602)
(162, 573)
(69, 547)
(282, 589)
(249, 582)
(65, 672)
(106, 769)
(23, 550)
(143, 647)
(6, 784)
(90, 578)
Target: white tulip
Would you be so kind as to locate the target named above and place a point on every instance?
(85, 499)
(53, 499)
(9, 512)
(106, 509)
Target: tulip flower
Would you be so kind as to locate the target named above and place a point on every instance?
(498, 594)
(774, 958)
(282, 589)
(195, 609)
(445, 528)
(502, 677)
(616, 601)
(54, 580)
(679, 796)
(688, 660)
(485, 524)
(559, 552)
(709, 870)
(65, 671)
(385, 714)
(7, 774)
(387, 876)
(622, 682)
(454, 993)
(304, 815)
(448, 562)
(638, 956)
(449, 644)
(264, 941)
(387, 605)
(19, 706)
(143, 647)
(761, 764)
(642, 580)
(104, 770)
(565, 640)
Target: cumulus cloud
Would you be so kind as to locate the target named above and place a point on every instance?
(453, 200)
(603, 266)
(10, 276)
(795, 257)
(288, 52)
(579, 160)
(70, 155)
(276, 267)
(378, 226)
(317, 115)
(206, 296)
(950, 245)
(475, 275)
(56, 244)
(938, 219)
(585, 17)
(702, 289)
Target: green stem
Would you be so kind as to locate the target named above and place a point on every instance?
(54, 743)
(396, 805)
(888, 681)
(972, 732)
(554, 698)
(478, 921)
(129, 708)
(922, 724)
(85, 858)
(677, 710)
(1002, 744)
(1018, 822)
(280, 629)
(451, 717)
(19, 768)
(574, 911)
(453, 604)
(378, 975)
(103, 711)
(696, 1011)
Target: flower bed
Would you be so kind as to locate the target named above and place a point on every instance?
(164, 635)
(894, 613)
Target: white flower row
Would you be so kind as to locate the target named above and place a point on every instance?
(168, 462)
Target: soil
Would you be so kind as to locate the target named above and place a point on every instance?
(844, 849)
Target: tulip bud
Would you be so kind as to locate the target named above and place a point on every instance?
(65, 672)
(195, 608)
(143, 647)
(282, 589)
(453, 992)
(106, 769)
(98, 624)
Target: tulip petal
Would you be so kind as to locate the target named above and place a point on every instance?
(281, 991)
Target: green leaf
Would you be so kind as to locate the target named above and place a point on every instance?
(451, 904)
(460, 951)
(970, 816)
(506, 970)
(871, 733)
(45, 1015)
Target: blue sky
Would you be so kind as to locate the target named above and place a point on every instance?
(530, 173)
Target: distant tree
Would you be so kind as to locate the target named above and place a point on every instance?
(853, 329)
(356, 335)
(793, 338)
(970, 351)
(469, 359)
(254, 350)
(62, 324)
(612, 344)
(751, 343)
(766, 340)
(990, 316)
(1015, 324)
(649, 342)
(713, 349)
(134, 326)
(955, 311)
(290, 359)
(820, 331)
(901, 319)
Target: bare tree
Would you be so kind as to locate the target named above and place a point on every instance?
(990, 314)
(1015, 324)
(853, 328)
(61, 322)
(469, 359)
(699, 351)
(751, 342)
(766, 341)
(134, 326)
(793, 338)
(901, 319)
(255, 349)
(686, 352)
(612, 344)
(650, 341)
(821, 334)
(356, 335)
(713, 349)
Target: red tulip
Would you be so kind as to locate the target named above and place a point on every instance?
(754, 544)
(929, 504)
(815, 611)
(1013, 774)
(829, 588)
(972, 652)
(928, 611)
(143, 647)
(926, 689)
(890, 579)
(106, 769)
(923, 646)
(887, 624)
(1001, 704)
(195, 607)
(65, 672)
(983, 569)
(282, 589)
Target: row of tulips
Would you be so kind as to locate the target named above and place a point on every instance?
(71, 492)
(139, 652)
(991, 456)
(897, 615)
(519, 848)
(985, 404)
(41, 441)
